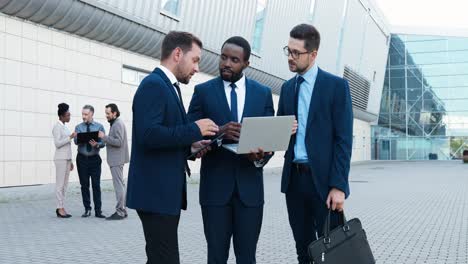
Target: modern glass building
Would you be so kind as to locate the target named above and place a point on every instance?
(424, 107)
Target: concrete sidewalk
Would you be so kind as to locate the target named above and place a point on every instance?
(413, 212)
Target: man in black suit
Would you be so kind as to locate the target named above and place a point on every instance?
(162, 140)
(231, 185)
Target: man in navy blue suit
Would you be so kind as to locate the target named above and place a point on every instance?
(316, 166)
(231, 186)
(163, 138)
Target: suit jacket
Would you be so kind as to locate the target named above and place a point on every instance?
(329, 134)
(161, 141)
(117, 144)
(62, 142)
(221, 170)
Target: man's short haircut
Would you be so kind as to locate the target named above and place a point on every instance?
(178, 39)
(241, 42)
(309, 34)
(114, 109)
(89, 107)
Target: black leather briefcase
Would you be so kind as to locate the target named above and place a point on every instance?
(346, 244)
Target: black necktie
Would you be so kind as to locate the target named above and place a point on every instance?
(299, 81)
(88, 146)
(234, 114)
(176, 85)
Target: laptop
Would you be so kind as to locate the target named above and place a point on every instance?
(271, 133)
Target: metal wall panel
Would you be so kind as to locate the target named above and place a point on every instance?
(351, 36)
(376, 48)
(328, 20)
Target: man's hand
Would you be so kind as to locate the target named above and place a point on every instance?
(294, 129)
(256, 155)
(101, 134)
(207, 127)
(93, 143)
(335, 200)
(231, 130)
(73, 135)
(199, 145)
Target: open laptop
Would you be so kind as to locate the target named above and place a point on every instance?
(270, 133)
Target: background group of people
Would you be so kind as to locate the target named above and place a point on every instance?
(316, 163)
(88, 160)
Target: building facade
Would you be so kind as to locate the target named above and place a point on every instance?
(97, 51)
(424, 107)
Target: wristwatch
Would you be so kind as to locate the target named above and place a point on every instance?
(259, 163)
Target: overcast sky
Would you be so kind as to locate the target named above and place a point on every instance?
(426, 13)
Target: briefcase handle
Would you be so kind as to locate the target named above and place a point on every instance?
(326, 231)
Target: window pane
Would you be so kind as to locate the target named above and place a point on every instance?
(171, 6)
(311, 10)
(133, 76)
(259, 23)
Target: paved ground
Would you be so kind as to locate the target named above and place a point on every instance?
(413, 212)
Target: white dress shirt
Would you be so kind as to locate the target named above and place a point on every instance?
(240, 90)
(171, 77)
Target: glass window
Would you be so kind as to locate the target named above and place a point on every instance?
(171, 6)
(429, 75)
(133, 76)
(311, 11)
(259, 24)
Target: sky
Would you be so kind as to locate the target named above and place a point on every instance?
(451, 14)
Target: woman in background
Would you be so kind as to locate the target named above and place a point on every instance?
(63, 157)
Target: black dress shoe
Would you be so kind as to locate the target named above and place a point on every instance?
(87, 213)
(61, 215)
(115, 216)
(100, 215)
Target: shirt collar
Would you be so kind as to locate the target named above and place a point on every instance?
(239, 84)
(91, 123)
(311, 75)
(112, 121)
(169, 74)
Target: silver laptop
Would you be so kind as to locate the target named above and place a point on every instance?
(270, 133)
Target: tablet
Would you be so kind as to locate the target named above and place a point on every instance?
(84, 138)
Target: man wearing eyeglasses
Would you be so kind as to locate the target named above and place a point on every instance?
(316, 166)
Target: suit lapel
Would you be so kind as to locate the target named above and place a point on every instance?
(289, 98)
(248, 101)
(314, 101)
(174, 93)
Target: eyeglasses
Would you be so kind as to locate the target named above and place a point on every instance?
(294, 53)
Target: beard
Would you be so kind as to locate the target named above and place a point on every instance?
(297, 68)
(183, 77)
(234, 77)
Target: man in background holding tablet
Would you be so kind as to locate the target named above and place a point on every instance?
(88, 162)
(231, 186)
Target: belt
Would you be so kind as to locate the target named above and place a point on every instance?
(302, 167)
